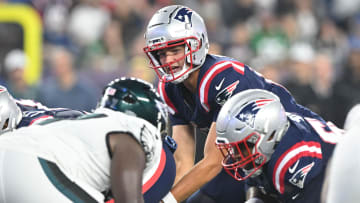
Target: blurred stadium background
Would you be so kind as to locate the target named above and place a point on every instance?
(62, 52)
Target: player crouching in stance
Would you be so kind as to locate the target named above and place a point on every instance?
(118, 147)
(18, 113)
(283, 156)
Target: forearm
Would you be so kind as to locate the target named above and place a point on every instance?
(200, 174)
(182, 167)
(185, 153)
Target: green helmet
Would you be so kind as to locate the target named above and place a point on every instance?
(135, 97)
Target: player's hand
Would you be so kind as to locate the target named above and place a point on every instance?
(256, 195)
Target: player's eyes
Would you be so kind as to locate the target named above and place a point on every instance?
(170, 52)
(161, 54)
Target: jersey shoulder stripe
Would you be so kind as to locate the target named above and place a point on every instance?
(159, 169)
(40, 119)
(299, 150)
(164, 96)
(209, 76)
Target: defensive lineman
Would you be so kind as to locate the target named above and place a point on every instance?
(81, 159)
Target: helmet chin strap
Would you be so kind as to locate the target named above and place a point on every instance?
(184, 77)
(256, 173)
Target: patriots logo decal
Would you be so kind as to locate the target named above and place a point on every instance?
(298, 179)
(226, 93)
(247, 114)
(183, 15)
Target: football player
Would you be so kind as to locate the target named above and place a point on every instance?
(15, 113)
(337, 179)
(339, 185)
(118, 147)
(283, 155)
(195, 85)
(352, 117)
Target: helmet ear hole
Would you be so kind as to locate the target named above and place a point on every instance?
(271, 137)
(202, 40)
(6, 124)
(129, 98)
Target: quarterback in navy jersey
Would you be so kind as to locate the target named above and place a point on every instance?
(15, 113)
(195, 85)
(284, 155)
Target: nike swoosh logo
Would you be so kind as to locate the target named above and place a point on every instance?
(217, 87)
(295, 196)
(292, 169)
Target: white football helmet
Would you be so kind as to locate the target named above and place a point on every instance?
(10, 113)
(173, 26)
(248, 127)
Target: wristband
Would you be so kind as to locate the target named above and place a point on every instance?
(169, 198)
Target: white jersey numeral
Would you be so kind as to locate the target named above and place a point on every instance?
(331, 135)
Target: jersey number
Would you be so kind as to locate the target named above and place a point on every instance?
(328, 133)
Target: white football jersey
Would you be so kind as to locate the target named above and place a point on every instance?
(79, 147)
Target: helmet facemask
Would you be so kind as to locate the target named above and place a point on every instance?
(242, 159)
(249, 127)
(168, 72)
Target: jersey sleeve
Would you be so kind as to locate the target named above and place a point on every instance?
(219, 83)
(28, 105)
(144, 132)
(174, 114)
(297, 168)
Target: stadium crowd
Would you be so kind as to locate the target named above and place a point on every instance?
(310, 47)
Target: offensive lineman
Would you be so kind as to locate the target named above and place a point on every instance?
(118, 147)
(283, 155)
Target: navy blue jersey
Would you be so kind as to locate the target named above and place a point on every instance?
(34, 112)
(296, 170)
(219, 78)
